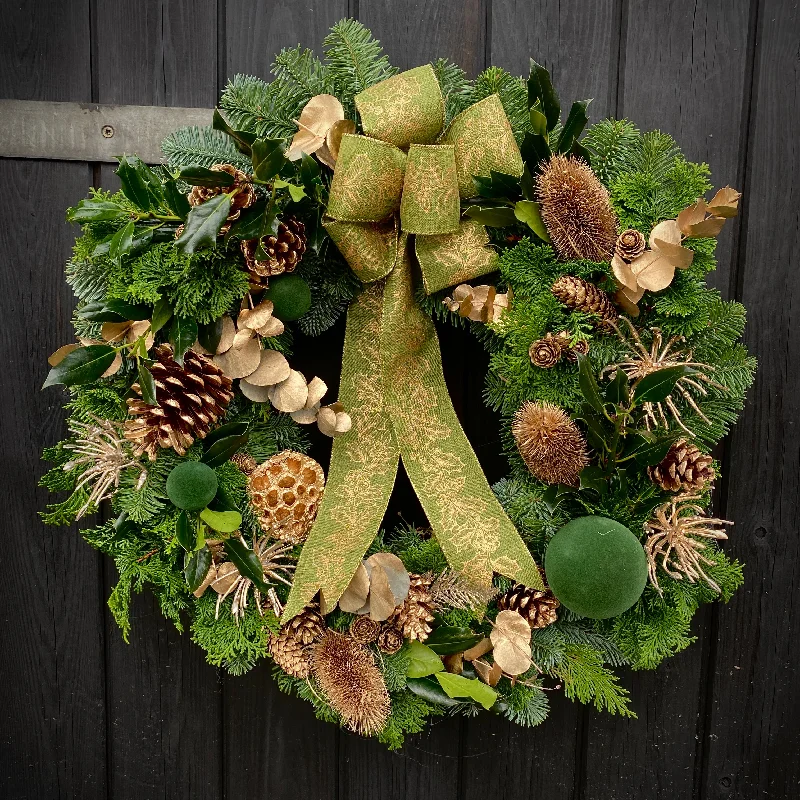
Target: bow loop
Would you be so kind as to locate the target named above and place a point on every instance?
(430, 203)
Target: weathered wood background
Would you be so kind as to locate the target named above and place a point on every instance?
(85, 715)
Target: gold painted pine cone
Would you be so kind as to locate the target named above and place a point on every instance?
(364, 629)
(291, 646)
(413, 618)
(582, 295)
(684, 468)
(536, 606)
(284, 250)
(244, 197)
(285, 492)
(191, 399)
(390, 639)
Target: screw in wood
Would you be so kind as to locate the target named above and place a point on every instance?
(107, 131)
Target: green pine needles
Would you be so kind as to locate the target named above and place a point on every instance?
(177, 341)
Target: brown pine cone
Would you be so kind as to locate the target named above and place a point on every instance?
(413, 618)
(584, 296)
(684, 468)
(191, 398)
(546, 353)
(536, 606)
(581, 347)
(364, 629)
(390, 639)
(630, 244)
(284, 250)
(291, 646)
(244, 197)
(245, 462)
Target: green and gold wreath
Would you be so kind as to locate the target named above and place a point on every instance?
(346, 187)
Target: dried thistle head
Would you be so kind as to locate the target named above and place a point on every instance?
(678, 536)
(550, 443)
(576, 210)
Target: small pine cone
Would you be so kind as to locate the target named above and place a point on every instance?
(584, 296)
(307, 626)
(547, 352)
(284, 250)
(245, 462)
(390, 639)
(191, 398)
(413, 618)
(536, 606)
(364, 629)
(684, 468)
(581, 347)
(291, 655)
(630, 244)
(244, 197)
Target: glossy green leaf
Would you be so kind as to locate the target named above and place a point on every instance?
(222, 450)
(209, 335)
(297, 193)
(221, 521)
(498, 217)
(538, 122)
(309, 172)
(148, 385)
(540, 87)
(447, 639)
(459, 686)
(128, 311)
(430, 689)
(498, 185)
(133, 182)
(242, 139)
(595, 478)
(121, 242)
(597, 427)
(182, 335)
(534, 149)
(196, 567)
(526, 184)
(657, 386)
(203, 224)
(617, 390)
(579, 151)
(176, 200)
(588, 384)
(184, 532)
(84, 365)
(202, 176)
(98, 312)
(422, 660)
(529, 212)
(224, 431)
(250, 224)
(246, 561)
(268, 158)
(647, 448)
(95, 211)
(573, 127)
(162, 314)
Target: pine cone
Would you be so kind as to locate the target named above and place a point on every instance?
(536, 606)
(285, 492)
(284, 250)
(581, 347)
(390, 639)
(245, 462)
(191, 398)
(244, 197)
(546, 353)
(630, 244)
(413, 617)
(584, 296)
(290, 647)
(364, 629)
(684, 468)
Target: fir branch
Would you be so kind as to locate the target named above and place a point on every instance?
(456, 88)
(513, 94)
(202, 146)
(268, 110)
(302, 69)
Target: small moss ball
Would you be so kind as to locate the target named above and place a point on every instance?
(596, 567)
(191, 485)
(290, 295)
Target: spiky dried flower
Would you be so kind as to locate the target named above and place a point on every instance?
(678, 535)
(101, 447)
(454, 590)
(353, 685)
(549, 442)
(576, 210)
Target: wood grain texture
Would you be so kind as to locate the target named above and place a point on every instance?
(752, 736)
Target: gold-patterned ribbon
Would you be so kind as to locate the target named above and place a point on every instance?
(396, 193)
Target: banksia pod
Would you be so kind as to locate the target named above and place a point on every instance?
(364, 629)
(352, 684)
(630, 244)
(683, 469)
(537, 606)
(576, 210)
(191, 398)
(547, 352)
(550, 443)
(413, 618)
(582, 295)
(290, 647)
(245, 192)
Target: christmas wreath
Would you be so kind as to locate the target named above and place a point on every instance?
(344, 186)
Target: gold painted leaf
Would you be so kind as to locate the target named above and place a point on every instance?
(273, 368)
(357, 591)
(290, 394)
(653, 270)
(511, 638)
(60, 354)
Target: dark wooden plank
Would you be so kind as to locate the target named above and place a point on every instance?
(753, 732)
(51, 651)
(273, 741)
(164, 700)
(694, 61)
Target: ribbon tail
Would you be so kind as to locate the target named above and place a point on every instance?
(362, 471)
(475, 534)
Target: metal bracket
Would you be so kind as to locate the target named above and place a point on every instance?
(88, 131)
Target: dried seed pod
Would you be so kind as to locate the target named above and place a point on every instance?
(547, 352)
(364, 629)
(390, 639)
(630, 244)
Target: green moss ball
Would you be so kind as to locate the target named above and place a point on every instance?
(290, 295)
(596, 567)
(191, 485)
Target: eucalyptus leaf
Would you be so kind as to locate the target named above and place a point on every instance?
(448, 639)
(184, 532)
(221, 521)
(222, 450)
(203, 224)
(246, 561)
(84, 365)
(459, 686)
(147, 385)
(182, 335)
(497, 217)
(202, 176)
(529, 212)
(657, 386)
(196, 567)
(422, 660)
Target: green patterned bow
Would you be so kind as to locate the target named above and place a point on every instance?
(395, 194)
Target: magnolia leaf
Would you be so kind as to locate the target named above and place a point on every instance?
(196, 567)
(483, 647)
(209, 335)
(58, 356)
(83, 365)
(511, 638)
(617, 389)
(447, 639)
(224, 431)
(246, 561)
(540, 88)
(185, 533)
(422, 661)
(129, 311)
(657, 386)
(381, 599)
(529, 212)
(488, 674)
(396, 573)
(458, 686)
(203, 224)
(429, 689)
(221, 521)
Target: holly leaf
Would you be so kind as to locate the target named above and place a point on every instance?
(529, 212)
(95, 211)
(422, 660)
(196, 567)
(221, 521)
(121, 242)
(268, 158)
(133, 182)
(209, 335)
(202, 176)
(594, 478)
(182, 335)
(84, 365)
(242, 139)
(176, 200)
(657, 386)
(203, 224)
(251, 222)
(447, 639)
(147, 385)
(646, 448)
(459, 686)
(297, 193)
(246, 562)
